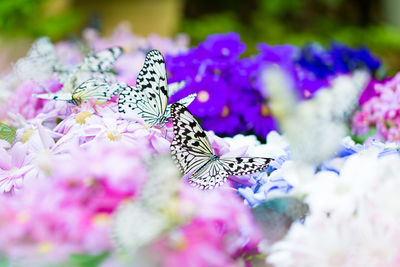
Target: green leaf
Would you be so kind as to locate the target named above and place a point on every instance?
(7, 133)
(85, 260)
(361, 139)
(4, 262)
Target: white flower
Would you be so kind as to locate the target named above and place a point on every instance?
(354, 216)
(314, 128)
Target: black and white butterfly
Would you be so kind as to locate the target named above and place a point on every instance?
(88, 79)
(149, 98)
(192, 152)
(101, 61)
(99, 89)
(40, 63)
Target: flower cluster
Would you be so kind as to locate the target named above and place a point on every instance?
(380, 110)
(70, 172)
(351, 210)
(231, 98)
(87, 183)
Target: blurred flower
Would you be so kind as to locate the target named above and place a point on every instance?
(14, 165)
(315, 122)
(88, 180)
(337, 59)
(352, 212)
(155, 208)
(381, 111)
(220, 225)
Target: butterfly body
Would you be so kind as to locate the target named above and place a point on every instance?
(192, 152)
(149, 99)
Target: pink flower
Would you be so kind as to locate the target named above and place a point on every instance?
(221, 232)
(23, 102)
(71, 211)
(14, 165)
(381, 110)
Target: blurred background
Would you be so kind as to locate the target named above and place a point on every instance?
(374, 23)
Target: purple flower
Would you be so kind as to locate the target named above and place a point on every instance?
(222, 46)
(338, 58)
(283, 55)
(346, 59)
(212, 96)
(316, 59)
(259, 119)
(369, 92)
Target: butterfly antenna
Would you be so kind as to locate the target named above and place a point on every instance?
(41, 86)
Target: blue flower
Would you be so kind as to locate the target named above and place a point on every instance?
(259, 192)
(338, 58)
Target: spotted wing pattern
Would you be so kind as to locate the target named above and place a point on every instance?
(243, 165)
(149, 98)
(95, 88)
(186, 101)
(92, 88)
(144, 103)
(101, 61)
(193, 153)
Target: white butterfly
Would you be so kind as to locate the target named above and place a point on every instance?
(99, 89)
(88, 79)
(192, 152)
(149, 98)
(101, 61)
(40, 63)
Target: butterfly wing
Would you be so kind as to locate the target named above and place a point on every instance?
(95, 88)
(216, 171)
(190, 148)
(40, 63)
(243, 165)
(184, 101)
(101, 61)
(149, 98)
(152, 80)
(192, 152)
(175, 87)
(43, 48)
(62, 96)
(210, 175)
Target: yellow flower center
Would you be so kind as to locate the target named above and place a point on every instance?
(114, 135)
(89, 182)
(171, 210)
(265, 110)
(23, 216)
(203, 96)
(45, 247)
(307, 94)
(225, 112)
(101, 219)
(81, 117)
(177, 240)
(26, 135)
